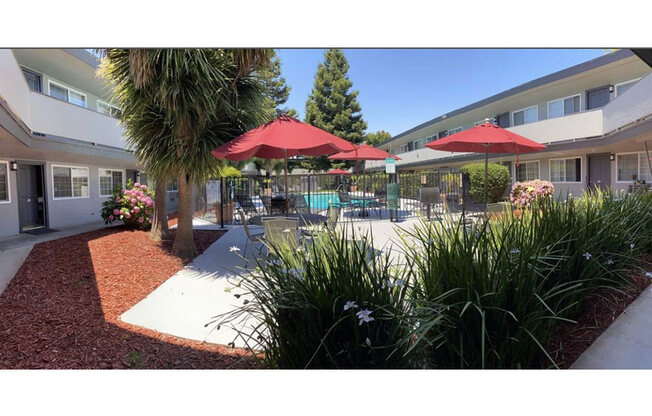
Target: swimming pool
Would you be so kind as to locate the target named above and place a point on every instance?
(320, 201)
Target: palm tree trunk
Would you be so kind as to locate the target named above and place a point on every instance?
(160, 230)
(184, 243)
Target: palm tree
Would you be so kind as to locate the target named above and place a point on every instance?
(198, 99)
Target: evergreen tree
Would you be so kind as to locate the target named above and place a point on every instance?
(277, 91)
(333, 106)
(374, 139)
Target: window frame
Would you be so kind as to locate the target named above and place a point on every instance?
(562, 106)
(616, 95)
(453, 131)
(99, 182)
(8, 201)
(88, 177)
(115, 107)
(36, 74)
(172, 190)
(638, 166)
(536, 107)
(581, 158)
(422, 141)
(50, 82)
(515, 172)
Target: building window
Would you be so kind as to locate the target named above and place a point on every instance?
(564, 106)
(109, 180)
(566, 170)
(455, 130)
(108, 109)
(477, 123)
(418, 144)
(4, 182)
(66, 94)
(527, 171)
(525, 116)
(172, 186)
(632, 166)
(622, 87)
(33, 80)
(70, 182)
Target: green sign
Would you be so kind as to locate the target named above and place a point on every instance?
(390, 165)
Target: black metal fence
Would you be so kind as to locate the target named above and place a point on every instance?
(361, 196)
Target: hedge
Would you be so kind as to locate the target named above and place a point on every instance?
(498, 178)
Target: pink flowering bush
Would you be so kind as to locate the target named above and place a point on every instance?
(523, 194)
(133, 205)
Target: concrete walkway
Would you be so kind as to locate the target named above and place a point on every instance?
(15, 249)
(627, 343)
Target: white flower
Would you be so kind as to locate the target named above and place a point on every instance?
(631, 246)
(234, 248)
(399, 283)
(368, 342)
(363, 316)
(515, 251)
(431, 241)
(299, 249)
(587, 255)
(417, 324)
(648, 274)
(350, 305)
(287, 230)
(275, 262)
(610, 262)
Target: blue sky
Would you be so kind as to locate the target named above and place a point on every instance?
(400, 88)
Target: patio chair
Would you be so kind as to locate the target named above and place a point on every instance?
(345, 201)
(379, 203)
(267, 203)
(298, 204)
(246, 204)
(332, 216)
(282, 229)
(254, 238)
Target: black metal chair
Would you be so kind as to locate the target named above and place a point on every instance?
(246, 204)
(298, 204)
(430, 197)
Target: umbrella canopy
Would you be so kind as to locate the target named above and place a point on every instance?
(487, 138)
(338, 172)
(363, 152)
(281, 138)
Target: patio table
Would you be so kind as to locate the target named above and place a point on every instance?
(364, 203)
(305, 220)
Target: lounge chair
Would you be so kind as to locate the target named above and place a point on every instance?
(299, 205)
(246, 204)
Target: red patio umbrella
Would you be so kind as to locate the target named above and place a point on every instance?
(487, 138)
(338, 172)
(281, 138)
(363, 152)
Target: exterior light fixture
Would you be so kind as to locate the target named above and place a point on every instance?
(14, 165)
(612, 157)
(611, 88)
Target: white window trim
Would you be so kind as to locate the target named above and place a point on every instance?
(173, 190)
(536, 107)
(50, 82)
(460, 128)
(622, 83)
(106, 104)
(638, 166)
(99, 185)
(524, 162)
(88, 176)
(8, 201)
(562, 104)
(477, 123)
(581, 158)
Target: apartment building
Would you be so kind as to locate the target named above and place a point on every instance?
(62, 149)
(595, 119)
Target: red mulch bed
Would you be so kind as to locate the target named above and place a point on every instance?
(598, 312)
(61, 309)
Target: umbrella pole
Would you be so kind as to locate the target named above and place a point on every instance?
(285, 163)
(486, 173)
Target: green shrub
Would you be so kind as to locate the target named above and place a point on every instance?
(497, 179)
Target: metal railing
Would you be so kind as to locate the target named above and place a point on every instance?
(362, 197)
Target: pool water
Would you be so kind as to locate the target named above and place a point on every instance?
(320, 201)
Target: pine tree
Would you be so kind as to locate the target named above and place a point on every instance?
(333, 106)
(277, 91)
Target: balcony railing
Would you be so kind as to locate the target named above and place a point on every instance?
(634, 104)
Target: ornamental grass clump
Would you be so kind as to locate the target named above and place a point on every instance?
(133, 205)
(524, 194)
(504, 285)
(335, 303)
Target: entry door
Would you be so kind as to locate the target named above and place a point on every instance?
(599, 171)
(30, 196)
